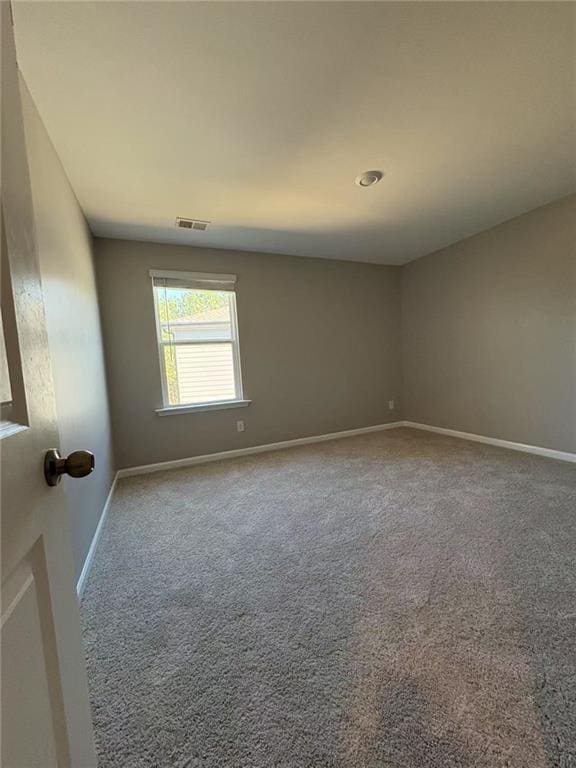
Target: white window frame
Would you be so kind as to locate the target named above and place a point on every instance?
(206, 282)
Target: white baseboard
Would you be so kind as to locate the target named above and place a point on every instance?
(95, 539)
(192, 460)
(550, 453)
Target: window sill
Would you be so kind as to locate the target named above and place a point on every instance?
(219, 406)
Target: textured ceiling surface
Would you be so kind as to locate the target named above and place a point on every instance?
(258, 116)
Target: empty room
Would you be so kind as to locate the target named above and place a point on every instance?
(288, 373)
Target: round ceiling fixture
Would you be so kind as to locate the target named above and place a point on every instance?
(368, 178)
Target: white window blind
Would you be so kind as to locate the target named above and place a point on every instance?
(197, 337)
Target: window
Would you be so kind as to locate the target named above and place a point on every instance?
(197, 339)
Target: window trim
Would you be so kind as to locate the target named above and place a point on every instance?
(217, 405)
(207, 282)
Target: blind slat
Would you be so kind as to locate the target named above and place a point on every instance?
(193, 280)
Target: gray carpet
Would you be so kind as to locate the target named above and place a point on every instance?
(399, 599)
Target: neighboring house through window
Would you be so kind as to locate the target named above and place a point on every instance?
(197, 338)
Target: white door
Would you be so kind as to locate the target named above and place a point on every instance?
(45, 709)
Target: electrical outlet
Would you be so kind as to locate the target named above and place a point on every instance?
(391, 404)
(240, 426)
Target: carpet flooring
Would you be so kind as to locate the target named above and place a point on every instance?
(398, 600)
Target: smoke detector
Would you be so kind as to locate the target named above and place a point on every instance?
(368, 178)
(200, 226)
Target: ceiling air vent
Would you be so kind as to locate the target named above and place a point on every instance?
(200, 226)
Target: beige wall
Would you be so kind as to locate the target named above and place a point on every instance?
(489, 332)
(488, 337)
(319, 341)
(73, 324)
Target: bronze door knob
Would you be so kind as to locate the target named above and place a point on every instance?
(78, 464)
